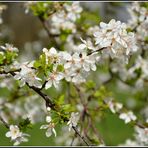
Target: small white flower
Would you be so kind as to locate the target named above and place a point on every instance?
(14, 132)
(51, 55)
(16, 135)
(54, 79)
(50, 127)
(73, 121)
(27, 75)
(127, 117)
(87, 62)
(9, 47)
(86, 44)
(142, 135)
(74, 10)
(72, 61)
(114, 107)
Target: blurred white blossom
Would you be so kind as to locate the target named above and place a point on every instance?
(73, 121)
(128, 117)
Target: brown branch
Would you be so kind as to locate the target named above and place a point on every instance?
(4, 122)
(49, 103)
(96, 50)
(77, 132)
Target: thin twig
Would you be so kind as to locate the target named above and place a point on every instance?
(77, 132)
(96, 50)
(4, 122)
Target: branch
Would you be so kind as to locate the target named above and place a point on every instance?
(77, 132)
(49, 103)
(96, 50)
(4, 122)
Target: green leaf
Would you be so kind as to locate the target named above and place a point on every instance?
(90, 84)
(67, 108)
(61, 99)
(146, 39)
(24, 124)
(60, 68)
(37, 64)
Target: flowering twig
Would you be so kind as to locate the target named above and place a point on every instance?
(49, 103)
(100, 49)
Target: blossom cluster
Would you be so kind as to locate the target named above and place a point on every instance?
(65, 19)
(141, 137)
(139, 20)
(118, 42)
(27, 75)
(75, 66)
(141, 64)
(116, 107)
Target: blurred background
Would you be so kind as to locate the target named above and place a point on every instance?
(24, 28)
(25, 31)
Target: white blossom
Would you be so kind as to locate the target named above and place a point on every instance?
(27, 75)
(128, 117)
(9, 47)
(141, 135)
(16, 135)
(54, 79)
(86, 44)
(73, 121)
(142, 65)
(87, 62)
(50, 127)
(65, 19)
(74, 10)
(115, 38)
(51, 55)
(114, 106)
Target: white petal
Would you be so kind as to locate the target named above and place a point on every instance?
(48, 84)
(86, 67)
(37, 84)
(67, 56)
(16, 143)
(59, 77)
(48, 132)
(22, 83)
(17, 76)
(103, 25)
(56, 83)
(82, 46)
(54, 132)
(45, 50)
(44, 127)
(8, 134)
(67, 65)
(93, 67)
(48, 119)
(53, 51)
